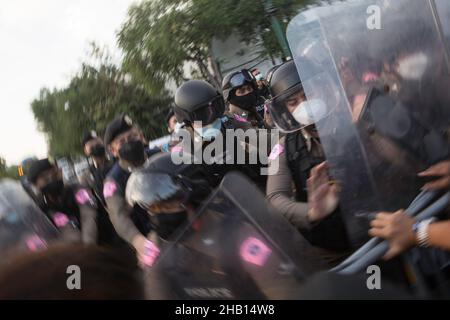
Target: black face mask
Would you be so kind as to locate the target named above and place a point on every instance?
(98, 151)
(133, 152)
(247, 102)
(53, 189)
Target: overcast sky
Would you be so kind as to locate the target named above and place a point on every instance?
(42, 44)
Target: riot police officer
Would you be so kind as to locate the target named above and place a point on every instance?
(70, 208)
(164, 188)
(200, 108)
(100, 165)
(126, 143)
(245, 103)
(300, 160)
(262, 84)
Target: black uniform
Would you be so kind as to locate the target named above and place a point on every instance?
(198, 101)
(217, 171)
(255, 118)
(106, 232)
(75, 215)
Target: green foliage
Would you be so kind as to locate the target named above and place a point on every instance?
(98, 93)
(161, 36)
(8, 172)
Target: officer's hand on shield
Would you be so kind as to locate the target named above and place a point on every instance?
(397, 228)
(139, 244)
(441, 171)
(323, 196)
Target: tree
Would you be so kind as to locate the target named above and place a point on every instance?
(95, 95)
(8, 172)
(160, 37)
(2, 167)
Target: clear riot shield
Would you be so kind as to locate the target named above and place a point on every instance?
(235, 248)
(381, 68)
(441, 9)
(23, 226)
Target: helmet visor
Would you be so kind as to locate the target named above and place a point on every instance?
(146, 188)
(281, 113)
(292, 111)
(241, 78)
(209, 112)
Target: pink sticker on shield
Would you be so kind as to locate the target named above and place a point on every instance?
(255, 251)
(35, 243)
(239, 118)
(60, 219)
(151, 253)
(109, 188)
(370, 77)
(276, 151)
(82, 196)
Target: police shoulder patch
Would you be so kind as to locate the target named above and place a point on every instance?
(276, 151)
(109, 189)
(82, 196)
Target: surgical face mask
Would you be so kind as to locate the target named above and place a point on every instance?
(413, 67)
(210, 131)
(259, 77)
(310, 111)
(178, 127)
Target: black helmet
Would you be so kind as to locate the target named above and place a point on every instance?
(162, 180)
(236, 79)
(284, 78)
(269, 73)
(285, 83)
(197, 100)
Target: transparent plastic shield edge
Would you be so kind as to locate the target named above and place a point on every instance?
(374, 167)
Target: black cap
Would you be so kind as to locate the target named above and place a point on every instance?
(91, 135)
(118, 126)
(37, 167)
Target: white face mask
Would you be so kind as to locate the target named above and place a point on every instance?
(413, 67)
(210, 131)
(177, 127)
(310, 111)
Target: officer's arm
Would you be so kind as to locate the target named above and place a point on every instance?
(119, 212)
(88, 215)
(279, 191)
